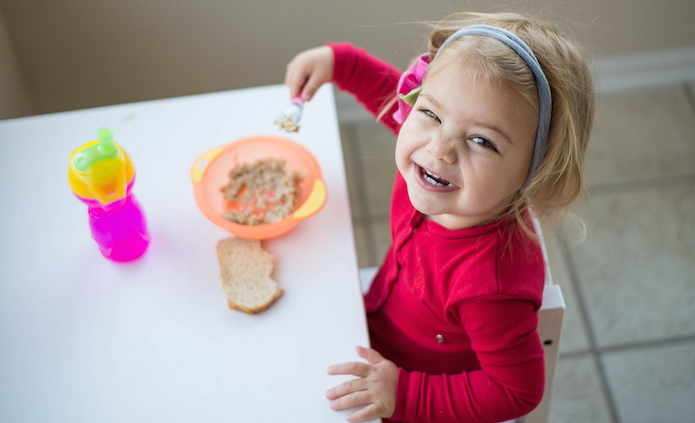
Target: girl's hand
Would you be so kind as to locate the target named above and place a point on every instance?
(308, 71)
(375, 387)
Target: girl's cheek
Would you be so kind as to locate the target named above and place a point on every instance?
(413, 133)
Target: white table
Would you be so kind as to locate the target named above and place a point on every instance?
(83, 339)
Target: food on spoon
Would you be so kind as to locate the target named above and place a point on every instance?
(246, 275)
(261, 192)
(288, 124)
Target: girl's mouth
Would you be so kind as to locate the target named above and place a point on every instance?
(431, 181)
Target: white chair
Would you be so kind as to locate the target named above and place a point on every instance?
(550, 318)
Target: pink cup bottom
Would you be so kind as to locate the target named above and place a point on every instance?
(120, 229)
(126, 249)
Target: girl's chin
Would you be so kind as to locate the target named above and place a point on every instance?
(440, 212)
(425, 204)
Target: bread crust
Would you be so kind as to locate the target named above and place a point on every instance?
(256, 310)
(246, 270)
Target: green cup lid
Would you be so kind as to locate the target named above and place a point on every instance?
(105, 149)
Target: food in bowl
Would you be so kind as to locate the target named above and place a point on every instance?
(210, 172)
(261, 192)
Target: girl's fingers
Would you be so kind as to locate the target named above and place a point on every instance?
(371, 355)
(312, 85)
(367, 413)
(345, 388)
(295, 80)
(354, 368)
(353, 399)
(308, 70)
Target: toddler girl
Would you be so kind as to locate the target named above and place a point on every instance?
(492, 123)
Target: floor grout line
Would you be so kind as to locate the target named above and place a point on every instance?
(633, 346)
(654, 343)
(690, 94)
(574, 354)
(590, 332)
(627, 186)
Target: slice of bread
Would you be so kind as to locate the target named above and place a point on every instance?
(246, 269)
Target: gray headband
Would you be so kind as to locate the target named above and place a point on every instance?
(544, 97)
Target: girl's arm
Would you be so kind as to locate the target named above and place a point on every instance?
(372, 81)
(511, 379)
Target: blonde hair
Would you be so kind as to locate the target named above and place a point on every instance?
(558, 180)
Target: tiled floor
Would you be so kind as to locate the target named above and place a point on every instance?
(627, 352)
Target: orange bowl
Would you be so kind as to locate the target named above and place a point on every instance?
(210, 172)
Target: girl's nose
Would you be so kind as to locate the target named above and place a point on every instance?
(442, 148)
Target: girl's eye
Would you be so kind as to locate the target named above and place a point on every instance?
(430, 114)
(484, 143)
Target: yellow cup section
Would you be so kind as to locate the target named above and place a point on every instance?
(106, 180)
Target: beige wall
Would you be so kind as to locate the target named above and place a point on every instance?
(84, 53)
(14, 96)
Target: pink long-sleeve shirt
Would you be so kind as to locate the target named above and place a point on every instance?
(456, 310)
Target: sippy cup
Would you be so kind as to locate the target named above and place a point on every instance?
(101, 175)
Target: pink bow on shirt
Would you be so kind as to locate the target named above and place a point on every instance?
(409, 81)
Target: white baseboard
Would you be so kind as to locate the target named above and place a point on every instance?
(613, 74)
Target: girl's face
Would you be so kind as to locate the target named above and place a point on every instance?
(466, 147)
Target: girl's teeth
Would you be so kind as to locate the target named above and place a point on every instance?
(434, 179)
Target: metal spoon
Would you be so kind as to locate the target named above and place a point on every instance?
(289, 119)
